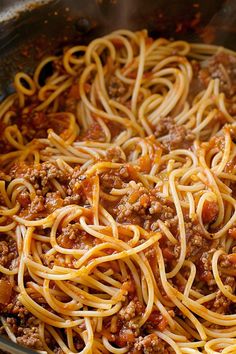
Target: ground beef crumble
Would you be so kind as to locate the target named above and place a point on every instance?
(150, 344)
(143, 207)
(22, 323)
(72, 237)
(39, 175)
(116, 88)
(175, 136)
(133, 309)
(8, 251)
(29, 337)
(139, 205)
(222, 66)
(220, 304)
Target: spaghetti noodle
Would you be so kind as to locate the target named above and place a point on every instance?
(117, 193)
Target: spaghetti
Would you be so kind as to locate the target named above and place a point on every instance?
(117, 193)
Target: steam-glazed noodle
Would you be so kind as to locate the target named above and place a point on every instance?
(118, 210)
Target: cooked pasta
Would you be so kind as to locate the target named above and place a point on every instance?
(117, 194)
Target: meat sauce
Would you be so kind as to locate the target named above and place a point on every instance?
(140, 206)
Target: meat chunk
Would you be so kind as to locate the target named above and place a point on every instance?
(45, 171)
(176, 136)
(72, 199)
(8, 251)
(37, 205)
(114, 154)
(15, 309)
(29, 337)
(204, 269)
(163, 126)
(24, 198)
(126, 336)
(110, 181)
(228, 260)
(116, 88)
(150, 344)
(179, 138)
(133, 309)
(73, 237)
(220, 304)
(197, 243)
(24, 326)
(143, 207)
(157, 321)
(223, 67)
(53, 201)
(133, 207)
(34, 125)
(40, 175)
(114, 179)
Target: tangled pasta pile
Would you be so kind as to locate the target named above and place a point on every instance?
(117, 193)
